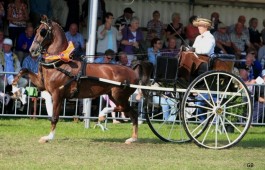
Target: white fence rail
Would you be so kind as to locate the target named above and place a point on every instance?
(72, 109)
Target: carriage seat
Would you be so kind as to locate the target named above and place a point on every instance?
(166, 69)
(222, 62)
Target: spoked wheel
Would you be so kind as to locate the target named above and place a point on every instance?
(163, 116)
(222, 102)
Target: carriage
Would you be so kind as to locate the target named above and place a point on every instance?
(204, 110)
(199, 111)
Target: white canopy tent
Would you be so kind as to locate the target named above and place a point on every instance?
(229, 10)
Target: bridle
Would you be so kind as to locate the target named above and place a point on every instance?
(47, 34)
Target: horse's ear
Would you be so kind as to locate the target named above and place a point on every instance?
(44, 18)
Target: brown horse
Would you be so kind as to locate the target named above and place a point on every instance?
(64, 79)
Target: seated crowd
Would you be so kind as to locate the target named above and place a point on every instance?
(123, 41)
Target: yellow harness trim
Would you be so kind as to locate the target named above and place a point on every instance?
(64, 56)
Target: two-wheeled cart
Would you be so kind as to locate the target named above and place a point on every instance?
(214, 110)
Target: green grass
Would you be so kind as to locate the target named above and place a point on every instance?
(78, 148)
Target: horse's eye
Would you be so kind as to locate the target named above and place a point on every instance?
(43, 32)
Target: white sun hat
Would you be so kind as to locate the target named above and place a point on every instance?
(8, 41)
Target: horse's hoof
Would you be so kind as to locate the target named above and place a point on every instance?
(43, 140)
(130, 140)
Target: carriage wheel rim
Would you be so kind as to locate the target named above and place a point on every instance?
(217, 117)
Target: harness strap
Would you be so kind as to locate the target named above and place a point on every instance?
(69, 74)
(74, 77)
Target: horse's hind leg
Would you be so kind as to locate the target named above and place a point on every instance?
(120, 98)
(134, 118)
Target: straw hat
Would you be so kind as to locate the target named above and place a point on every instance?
(202, 22)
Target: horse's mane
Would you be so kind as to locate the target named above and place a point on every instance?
(55, 23)
(144, 70)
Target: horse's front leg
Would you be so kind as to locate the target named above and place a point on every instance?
(22, 72)
(55, 117)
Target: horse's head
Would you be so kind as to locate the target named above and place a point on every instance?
(43, 37)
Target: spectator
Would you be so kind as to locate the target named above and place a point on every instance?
(39, 8)
(176, 29)
(24, 42)
(251, 65)
(107, 58)
(17, 15)
(223, 42)
(32, 63)
(10, 63)
(131, 38)
(171, 50)
(77, 39)
(126, 18)
(108, 35)
(191, 32)
(154, 51)
(155, 24)
(123, 59)
(241, 19)
(215, 21)
(239, 40)
(254, 34)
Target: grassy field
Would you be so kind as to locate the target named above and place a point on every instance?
(78, 148)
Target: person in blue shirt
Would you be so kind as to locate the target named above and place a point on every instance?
(32, 63)
(154, 51)
(77, 39)
(109, 57)
(24, 42)
(252, 66)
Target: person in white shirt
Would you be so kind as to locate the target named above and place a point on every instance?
(205, 42)
(195, 63)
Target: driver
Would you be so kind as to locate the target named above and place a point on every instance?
(195, 63)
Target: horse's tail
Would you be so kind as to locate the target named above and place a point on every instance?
(144, 69)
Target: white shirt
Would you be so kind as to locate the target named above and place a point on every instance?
(204, 43)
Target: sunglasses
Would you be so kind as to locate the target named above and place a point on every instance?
(109, 58)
